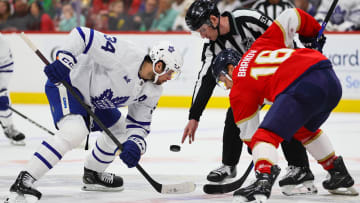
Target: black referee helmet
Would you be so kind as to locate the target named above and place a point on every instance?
(199, 13)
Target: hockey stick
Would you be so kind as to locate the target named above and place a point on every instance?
(327, 18)
(225, 188)
(180, 188)
(31, 121)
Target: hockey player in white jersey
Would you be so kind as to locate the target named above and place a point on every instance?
(107, 73)
(6, 70)
(346, 16)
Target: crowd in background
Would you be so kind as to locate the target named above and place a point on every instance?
(143, 15)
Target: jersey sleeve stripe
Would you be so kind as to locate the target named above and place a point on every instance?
(81, 33)
(282, 30)
(299, 19)
(90, 41)
(7, 65)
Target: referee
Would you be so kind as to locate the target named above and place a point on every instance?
(272, 8)
(236, 30)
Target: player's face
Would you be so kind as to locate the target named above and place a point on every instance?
(165, 77)
(208, 32)
(225, 81)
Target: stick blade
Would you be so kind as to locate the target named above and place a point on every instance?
(180, 188)
(221, 189)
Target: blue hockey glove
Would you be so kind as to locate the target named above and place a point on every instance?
(313, 42)
(133, 148)
(59, 70)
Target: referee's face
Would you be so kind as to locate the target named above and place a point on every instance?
(208, 32)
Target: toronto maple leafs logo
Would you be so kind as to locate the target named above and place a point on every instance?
(338, 16)
(171, 49)
(127, 80)
(106, 100)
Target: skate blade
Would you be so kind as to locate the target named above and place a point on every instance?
(96, 187)
(20, 198)
(306, 188)
(260, 198)
(239, 199)
(350, 191)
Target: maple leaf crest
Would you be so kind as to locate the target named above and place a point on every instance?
(106, 100)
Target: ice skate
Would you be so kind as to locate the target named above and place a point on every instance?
(298, 181)
(22, 191)
(260, 190)
(15, 137)
(222, 173)
(339, 181)
(94, 181)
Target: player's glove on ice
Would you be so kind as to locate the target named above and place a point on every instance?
(313, 42)
(59, 70)
(133, 148)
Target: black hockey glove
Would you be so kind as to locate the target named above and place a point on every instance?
(313, 42)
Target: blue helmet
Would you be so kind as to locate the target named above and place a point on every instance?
(224, 58)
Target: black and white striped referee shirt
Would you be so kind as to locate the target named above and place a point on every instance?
(246, 25)
(272, 10)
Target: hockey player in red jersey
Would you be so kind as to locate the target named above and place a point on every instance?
(303, 88)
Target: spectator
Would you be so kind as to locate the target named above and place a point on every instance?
(118, 18)
(38, 19)
(310, 6)
(346, 16)
(47, 5)
(69, 19)
(228, 5)
(134, 7)
(5, 11)
(19, 20)
(272, 8)
(179, 5)
(180, 24)
(165, 17)
(100, 5)
(143, 20)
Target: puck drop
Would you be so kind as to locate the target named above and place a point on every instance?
(175, 148)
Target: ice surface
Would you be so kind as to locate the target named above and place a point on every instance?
(192, 163)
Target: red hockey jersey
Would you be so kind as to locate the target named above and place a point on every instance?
(269, 66)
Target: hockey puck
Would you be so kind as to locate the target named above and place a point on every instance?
(175, 148)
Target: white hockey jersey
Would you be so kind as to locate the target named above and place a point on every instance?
(6, 60)
(346, 16)
(106, 73)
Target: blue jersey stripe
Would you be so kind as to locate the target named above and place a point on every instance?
(53, 150)
(6, 71)
(81, 33)
(97, 159)
(90, 41)
(43, 160)
(7, 65)
(135, 121)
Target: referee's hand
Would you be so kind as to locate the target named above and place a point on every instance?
(190, 130)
